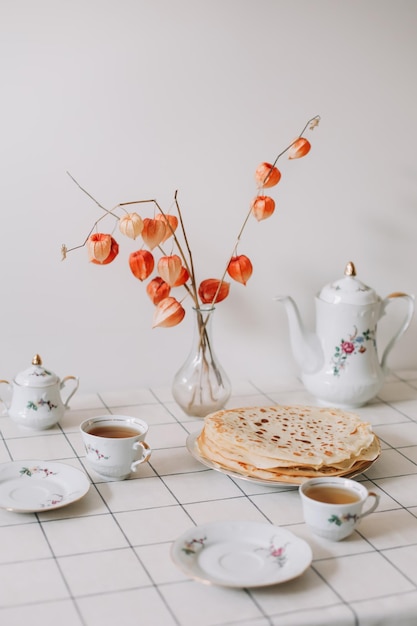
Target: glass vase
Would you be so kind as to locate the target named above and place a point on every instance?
(201, 386)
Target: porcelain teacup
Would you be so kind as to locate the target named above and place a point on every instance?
(333, 507)
(115, 445)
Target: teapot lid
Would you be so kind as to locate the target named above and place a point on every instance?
(348, 290)
(36, 376)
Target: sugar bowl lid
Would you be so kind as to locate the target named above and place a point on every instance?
(37, 375)
(348, 290)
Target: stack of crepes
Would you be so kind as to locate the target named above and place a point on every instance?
(288, 443)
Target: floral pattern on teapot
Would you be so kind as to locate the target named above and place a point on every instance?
(353, 346)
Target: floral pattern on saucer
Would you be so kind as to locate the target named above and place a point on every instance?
(32, 486)
(277, 552)
(31, 471)
(241, 554)
(194, 545)
(55, 499)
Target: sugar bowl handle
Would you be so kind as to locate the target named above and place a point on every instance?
(75, 384)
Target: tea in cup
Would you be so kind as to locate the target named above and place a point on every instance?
(333, 507)
(115, 445)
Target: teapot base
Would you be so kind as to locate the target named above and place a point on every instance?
(341, 395)
(344, 406)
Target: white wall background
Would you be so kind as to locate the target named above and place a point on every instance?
(138, 98)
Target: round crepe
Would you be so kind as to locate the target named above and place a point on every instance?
(224, 455)
(289, 478)
(288, 443)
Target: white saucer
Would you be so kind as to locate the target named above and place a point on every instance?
(33, 486)
(241, 554)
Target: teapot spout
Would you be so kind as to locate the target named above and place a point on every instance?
(306, 346)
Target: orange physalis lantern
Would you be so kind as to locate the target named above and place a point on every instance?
(210, 287)
(169, 268)
(262, 207)
(240, 268)
(299, 148)
(141, 264)
(168, 312)
(169, 221)
(153, 232)
(267, 175)
(157, 289)
(182, 278)
(131, 225)
(102, 248)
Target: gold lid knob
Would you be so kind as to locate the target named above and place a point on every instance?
(36, 360)
(350, 269)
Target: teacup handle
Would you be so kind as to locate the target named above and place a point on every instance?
(146, 453)
(63, 383)
(373, 506)
(6, 404)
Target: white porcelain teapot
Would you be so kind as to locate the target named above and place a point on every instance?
(35, 396)
(339, 362)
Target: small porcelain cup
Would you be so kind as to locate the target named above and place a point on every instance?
(333, 507)
(115, 445)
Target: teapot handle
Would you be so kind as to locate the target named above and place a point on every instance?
(405, 324)
(76, 384)
(5, 402)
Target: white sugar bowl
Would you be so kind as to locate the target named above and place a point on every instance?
(34, 397)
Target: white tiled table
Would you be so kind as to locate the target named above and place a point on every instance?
(105, 560)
